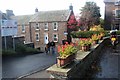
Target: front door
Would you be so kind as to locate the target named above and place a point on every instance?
(45, 38)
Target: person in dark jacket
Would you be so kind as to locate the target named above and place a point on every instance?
(47, 48)
(52, 44)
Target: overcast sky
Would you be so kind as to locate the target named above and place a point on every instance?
(25, 7)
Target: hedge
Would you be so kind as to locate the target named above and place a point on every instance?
(84, 34)
(88, 34)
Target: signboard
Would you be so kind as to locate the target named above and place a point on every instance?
(8, 27)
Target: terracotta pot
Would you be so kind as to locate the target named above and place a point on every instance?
(86, 48)
(95, 42)
(62, 62)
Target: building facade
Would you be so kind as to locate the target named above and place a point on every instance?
(44, 26)
(23, 26)
(112, 14)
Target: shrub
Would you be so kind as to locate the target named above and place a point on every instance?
(85, 42)
(118, 32)
(31, 50)
(8, 52)
(20, 48)
(96, 28)
(84, 34)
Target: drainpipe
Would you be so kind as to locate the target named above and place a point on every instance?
(30, 32)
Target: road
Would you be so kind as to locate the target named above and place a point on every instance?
(14, 67)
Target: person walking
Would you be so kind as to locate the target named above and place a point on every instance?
(53, 47)
(47, 48)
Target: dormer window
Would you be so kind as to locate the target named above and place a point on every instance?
(55, 26)
(37, 26)
(46, 26)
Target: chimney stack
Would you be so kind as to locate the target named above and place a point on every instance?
(71, 7)
(36, 10)
(9, 13)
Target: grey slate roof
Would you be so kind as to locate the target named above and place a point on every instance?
(23, 19)
(48, 16)
(43, 16)
(109, 0)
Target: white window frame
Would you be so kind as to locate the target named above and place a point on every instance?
(37, 36)
(37, 26)
(116, 16)
(23, 28)
(55, 37)
(117, 2)
(55, 25)
(46, 26)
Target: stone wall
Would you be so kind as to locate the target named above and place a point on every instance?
(80, 65)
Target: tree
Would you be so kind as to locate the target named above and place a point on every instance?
(102, 22)
(90, 15)
(72, 23)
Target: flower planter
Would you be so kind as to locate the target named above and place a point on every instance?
(85, 48)
(95, 42)
(62, 62)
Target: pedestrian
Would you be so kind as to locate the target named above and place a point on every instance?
(53, 47)
(47, 48)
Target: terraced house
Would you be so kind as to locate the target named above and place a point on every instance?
(23, 26)
(112, 14)
(44, 26)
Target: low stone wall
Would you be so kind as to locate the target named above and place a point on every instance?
(82, 62)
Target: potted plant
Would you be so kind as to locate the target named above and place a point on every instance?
(101, 35)
(66, 54)
(95, 38)
(85, 44)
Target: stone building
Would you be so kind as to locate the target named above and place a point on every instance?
(23, 26)
(112, 14)
(44, 26)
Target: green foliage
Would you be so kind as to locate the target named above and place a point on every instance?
(101, 22)
(107, 33)
(8, 52)
(31, 50)
(66, 50)
(90, 15)
(84, 34)
(118, 32)
(20, 49)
